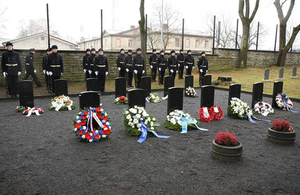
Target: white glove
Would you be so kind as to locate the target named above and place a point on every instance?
(119, 68)
(171, 70)
(193, 67)
(135, 71)
(159, 69)
(4, 74)
(84, 70)
(186, 67)
(50, 73)
(206, 70)
(201, 70)
(151, 66)
(96, 73)
(178, 65)
(106, 73)
(176, 71)
(61, 73)
(44, 71)
(143, 71)
(47, 73)
(127, 70)
(90, 72)
(19, 73)
(25, 72)
(34, 71)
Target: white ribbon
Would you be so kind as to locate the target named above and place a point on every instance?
(97, 120)
(32, 110)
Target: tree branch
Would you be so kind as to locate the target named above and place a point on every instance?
(241, 10)
(286, 18)
(279, 10)
(254, 11)
(292, 39)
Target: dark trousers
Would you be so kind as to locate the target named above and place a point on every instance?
(101, 79)
(93, 75)
(189, 71)
(46, 80)
(12, 84)
(180, 71)
(153, 74)
(130, 76)
(138, 80)
(36, 80)
(87, 75)
(122, 73)
(161, 76)
(53, 79)
(201, 77)
(173, 74)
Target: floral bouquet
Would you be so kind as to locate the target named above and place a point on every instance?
(92, 125)
(284, 102)
(154, 98)
(263, 108)
(29, 111)
(62, 103)
(180, 121)
(209, 114)
(190, 92)
(239, 109)
(20, 108)
(121, 100)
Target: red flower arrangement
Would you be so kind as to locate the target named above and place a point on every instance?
(209, 114)
(226, 139)
(121, 100)
(282, 125)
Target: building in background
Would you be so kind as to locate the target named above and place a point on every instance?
(40, 42)
(113, 40)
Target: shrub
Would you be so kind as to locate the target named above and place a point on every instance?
(282, 125)
(226, 139)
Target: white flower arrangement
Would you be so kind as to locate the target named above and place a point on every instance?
(61, 103)
(190, 92)
(174, 122)
(154, 98)
(263, 108)
(239, 109)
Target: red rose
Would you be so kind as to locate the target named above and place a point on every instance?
(122, 98)
(125, 100)
(98, 109)
(83, 123)
(97, 136)
(106, 132)
(88, 136)
(99, 115)
(85, 112)
(77, 125)
(80, 132)
(105, 118)
(83, 117)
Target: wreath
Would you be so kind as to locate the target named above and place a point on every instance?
(21, 108)
(284, 102)
(29, 111)
(217, 112)
(190, 92)
(62, 103)
(263, 108)
(92, 125)
(239, 109)
(121, 100)
(174, 122)
(154, 98)
(206, 114)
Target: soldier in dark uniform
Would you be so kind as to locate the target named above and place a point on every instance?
(121, 63)
(173, 64)
(162, 67)
(29, 68)
(180, 58)
(203, 67)
(101, 69)
(90, 66)
(153, 65)
(11, 68)
(55, 65)
(45, 61)
(189, 62)
(129, 68)
(138, 66)
(85, 63)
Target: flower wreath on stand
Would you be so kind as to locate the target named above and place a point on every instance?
(178, 120)
(284, 102)
(209, 114)
(138, 123)
(92, 125)
(62, 103)
(190, 92)
(241, 110)
(121, 100)
(154, 98)
(263, 108)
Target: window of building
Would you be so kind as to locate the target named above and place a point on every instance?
(187, 43)
(130, 43)
(197, 44)
(176, 42)
(206, 44)
(42, 38)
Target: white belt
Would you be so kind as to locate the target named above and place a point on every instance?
(27, 64)
(173, 65)
(55, 66)
(11, 64)
(162, 64)
(101, 66)
(129, 64)
(139, 65)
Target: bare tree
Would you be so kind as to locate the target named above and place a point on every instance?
(283, 47)
(142, 28)
(151, 35)
(34, 27)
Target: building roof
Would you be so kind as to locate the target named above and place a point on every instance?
(39, 34)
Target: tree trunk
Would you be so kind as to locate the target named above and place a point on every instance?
(142, 29)
(244, 46)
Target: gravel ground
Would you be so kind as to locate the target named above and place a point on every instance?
(42, 155)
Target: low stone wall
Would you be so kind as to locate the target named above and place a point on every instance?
(223, 59)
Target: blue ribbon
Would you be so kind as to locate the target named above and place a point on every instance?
(249, 118)
(185, 123)
(288, 107)
(261, 119)
(145, 130)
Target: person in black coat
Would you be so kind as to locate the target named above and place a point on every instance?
(55, 65)
(45, 61)
(101, 69)
(121, 63)
(162, 67)
(180, 58)
(189, 62)
(203, 67)
(129, 68)
(153, 65)
(90, 67)
(11, 69)
(29, 68)
(85, 63)
(138, 66)
(173, 64)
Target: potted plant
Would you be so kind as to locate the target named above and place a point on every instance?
(281, 132)
(225, 147)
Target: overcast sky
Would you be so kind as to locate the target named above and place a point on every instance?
(70, 17)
